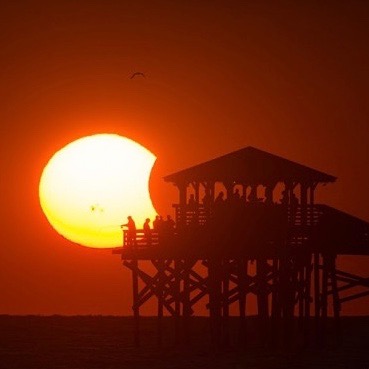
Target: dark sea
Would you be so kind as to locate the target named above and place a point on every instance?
(97, 342)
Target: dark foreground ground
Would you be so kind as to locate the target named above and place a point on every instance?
(106, 342)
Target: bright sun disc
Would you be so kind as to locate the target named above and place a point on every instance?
(89, 187)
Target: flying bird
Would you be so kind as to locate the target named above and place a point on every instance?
(136, 74)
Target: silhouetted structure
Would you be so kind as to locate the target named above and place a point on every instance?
(271, 240)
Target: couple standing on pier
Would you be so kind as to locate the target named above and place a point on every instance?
(159, 225)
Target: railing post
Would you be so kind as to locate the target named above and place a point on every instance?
(181, 221)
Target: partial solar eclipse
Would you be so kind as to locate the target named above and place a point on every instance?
(89, 187)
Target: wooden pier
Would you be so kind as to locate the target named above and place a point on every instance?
(265, 236)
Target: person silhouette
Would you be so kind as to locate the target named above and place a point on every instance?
(147, 232)
(192, 202)
(219, 200)
(157, 223)
(170, 225)
(294, 200)
(219, 203)
(236, 195)
(253, 196)
(206, 201)
(131, 234)
(284, 198)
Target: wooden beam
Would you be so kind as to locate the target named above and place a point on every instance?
(136, 309)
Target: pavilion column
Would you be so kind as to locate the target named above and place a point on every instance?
(303, 261)
(186, 299)
(269, 193)
(160, 265)
(324, 300)
(310, 257)
(242, 286)
(181, 216)
(307, 297)
(331, 264)
(317, 295)
(196, 187)
(178, 265)
(244, 191)
(226, 271)
(276, 305)
(288, 187)
(229, 188)
(287, 288)
(311, 208)
(312, 194)
(209, 196)
(136, 302)
(303, 203)
(253, 193)
(209, 188)
(262, 298)
(215, 299)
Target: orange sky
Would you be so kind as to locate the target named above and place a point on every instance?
(286, 77)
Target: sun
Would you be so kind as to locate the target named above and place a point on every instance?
(89, 187)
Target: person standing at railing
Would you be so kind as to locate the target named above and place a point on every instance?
(147, 232)
(192, 204)
(236, 196)
(219, 200)
(131, 234)
(285, 198)
(207, 203)
(158, 223)
(170, 225)
(294, 200)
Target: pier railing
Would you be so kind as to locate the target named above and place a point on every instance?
(140, 240)
(299, 221)
(199, 214)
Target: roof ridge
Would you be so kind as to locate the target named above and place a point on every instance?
(264, 165)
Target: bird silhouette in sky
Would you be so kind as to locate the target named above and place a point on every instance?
(136, 74)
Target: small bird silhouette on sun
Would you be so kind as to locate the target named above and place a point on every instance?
(136, 74)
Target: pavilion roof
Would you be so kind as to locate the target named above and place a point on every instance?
(250, 166)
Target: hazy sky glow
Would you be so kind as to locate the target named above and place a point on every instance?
(290, 78)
